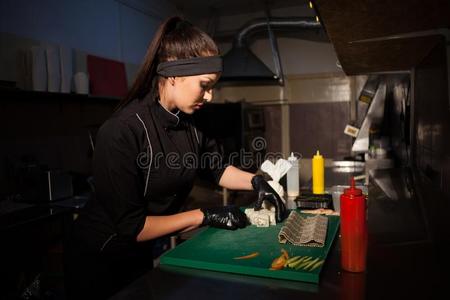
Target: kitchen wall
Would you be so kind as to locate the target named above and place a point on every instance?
(313, 111)
(312, 76)
(121, 30)
(116, 29)
(316, 90)
(431, 131)
(54, 132)
(431, 139)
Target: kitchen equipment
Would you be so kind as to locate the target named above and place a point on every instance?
(373, 118)
(312, 201)
(348, 166)
(353, 229)
(338, 190)
(293, 181)
(240, 64)
(214, 249)
(308, 231)
(318, 174)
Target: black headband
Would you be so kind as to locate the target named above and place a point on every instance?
(190, 66)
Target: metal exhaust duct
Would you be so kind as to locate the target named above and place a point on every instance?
(241, 65)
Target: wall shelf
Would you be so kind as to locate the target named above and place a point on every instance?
(27, 95)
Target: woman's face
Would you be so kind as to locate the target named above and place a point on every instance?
(188, 93)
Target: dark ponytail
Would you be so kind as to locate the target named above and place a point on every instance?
(174, 39)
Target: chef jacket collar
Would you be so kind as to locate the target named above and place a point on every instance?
(164, 117)
(167, 118)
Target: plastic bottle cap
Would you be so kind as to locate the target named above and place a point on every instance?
(353, 191)
(318, 154)
(292, 157)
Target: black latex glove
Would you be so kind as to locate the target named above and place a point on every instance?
(226, 217)
(266, 192)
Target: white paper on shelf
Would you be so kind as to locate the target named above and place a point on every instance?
(38, 68)
(24, 65)
(53, 69)
(81, 83)
(65, 56)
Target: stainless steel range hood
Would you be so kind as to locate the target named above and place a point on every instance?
(241, 65)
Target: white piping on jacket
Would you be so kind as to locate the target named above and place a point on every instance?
(107, 241)
(196, 135)
(178, 120)
(151, 154)
(173, 114)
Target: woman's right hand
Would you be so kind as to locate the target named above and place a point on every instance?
(266, 192)
(225, 217)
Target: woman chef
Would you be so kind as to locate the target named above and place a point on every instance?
(145, 161)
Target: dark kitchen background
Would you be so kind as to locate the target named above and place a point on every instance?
(296, 74)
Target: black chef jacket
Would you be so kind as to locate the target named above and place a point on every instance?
(145, 162)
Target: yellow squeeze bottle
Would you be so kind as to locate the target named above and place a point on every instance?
(318, 174)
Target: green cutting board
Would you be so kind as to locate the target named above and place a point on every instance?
(214, 249)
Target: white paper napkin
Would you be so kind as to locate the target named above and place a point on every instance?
(276, 171)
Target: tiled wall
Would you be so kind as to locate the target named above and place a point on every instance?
(308, 113)
(320, 126)
(272, 117)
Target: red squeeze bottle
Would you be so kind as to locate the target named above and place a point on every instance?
(353, 229)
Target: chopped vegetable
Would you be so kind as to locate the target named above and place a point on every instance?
(304, 263)
(301, 265)
(316, 265)
(307, 263)
(311, 263)
(279, 262)
(304, 259)
(251, 255)
(308, 258)
(298, 262)
(292, 260)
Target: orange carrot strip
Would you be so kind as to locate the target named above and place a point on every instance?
(252, 255)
